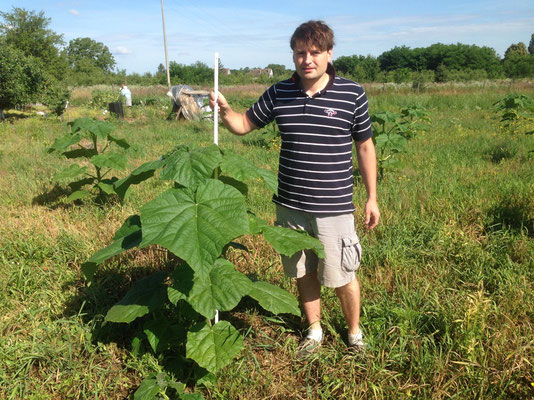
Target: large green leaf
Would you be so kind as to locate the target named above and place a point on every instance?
(213, 347)
(286, 241)
(63, 143)
(270, 179)
(195, 225)
(190, 167)
(138, 175)
(274, 299)
(77, 195)
(107, 187)
(72, 171)
(98, 128)
(110, 160)
(183, 279)
(242, 169)
(148, 390)
(146, 295)
(81, 123)
(127, 237)
(219, 289)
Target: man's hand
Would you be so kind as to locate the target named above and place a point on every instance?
(221, 102)
(237, 123)
(372, 214)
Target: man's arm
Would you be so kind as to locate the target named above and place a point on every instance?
(237, 123)
(365, 151)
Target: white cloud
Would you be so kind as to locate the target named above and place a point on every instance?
(74, 12)
(121, 50)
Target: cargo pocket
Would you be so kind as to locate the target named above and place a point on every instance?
(351, 254)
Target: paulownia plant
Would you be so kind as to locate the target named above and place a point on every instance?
(391, 132)
(197, 220)
(389, 140)
(517, 113)
(89, 141)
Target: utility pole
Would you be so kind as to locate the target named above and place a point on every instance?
(165, 44)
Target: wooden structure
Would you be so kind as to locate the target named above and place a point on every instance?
(185, 104)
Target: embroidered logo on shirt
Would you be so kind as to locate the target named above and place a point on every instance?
(330, 112)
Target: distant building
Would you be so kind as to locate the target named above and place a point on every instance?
(226, 71)
(256, 72)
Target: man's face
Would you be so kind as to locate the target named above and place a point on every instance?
(310, 62)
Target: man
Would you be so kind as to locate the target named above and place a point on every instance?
(318, 114)
(125, 92)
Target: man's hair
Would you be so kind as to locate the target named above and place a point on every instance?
(313, 33)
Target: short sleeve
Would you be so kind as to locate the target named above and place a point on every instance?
(261, 112)
(361, 125)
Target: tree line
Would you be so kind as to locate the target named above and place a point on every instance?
(37, 65)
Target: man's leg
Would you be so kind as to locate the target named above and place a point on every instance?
(349, 297)
(310, 299)
(310, 296)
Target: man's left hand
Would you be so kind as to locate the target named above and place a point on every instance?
(372, 214)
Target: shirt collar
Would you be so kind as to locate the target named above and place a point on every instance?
(330, 70)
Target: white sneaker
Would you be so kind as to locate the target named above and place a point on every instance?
(356, 341)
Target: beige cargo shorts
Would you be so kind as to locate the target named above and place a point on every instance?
(337, 233)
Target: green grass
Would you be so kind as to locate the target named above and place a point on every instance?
(447, 277)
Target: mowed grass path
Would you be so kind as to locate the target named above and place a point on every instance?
(447, 278)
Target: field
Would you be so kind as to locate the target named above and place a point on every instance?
(447, 277)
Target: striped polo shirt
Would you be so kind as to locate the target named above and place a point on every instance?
(315, 168)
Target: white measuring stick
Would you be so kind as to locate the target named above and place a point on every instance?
(216, 110)
(216, 120)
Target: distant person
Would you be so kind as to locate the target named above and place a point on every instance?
(319, 114)
(125, 92)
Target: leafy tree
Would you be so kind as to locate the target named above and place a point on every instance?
(396, 58)
(451, 57)
(28, 32)
(531, 45)
(95, 53)
(21, 78)
(519, 66)
(360, 68)
(345, 64)
(86, 73)
(161, 69)
(56, 96)
(195, 74)
(278, 69)
(518, 49)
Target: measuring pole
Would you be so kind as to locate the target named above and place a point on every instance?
(165, 44)
(216, 122)
(216, 110)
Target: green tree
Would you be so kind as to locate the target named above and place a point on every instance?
(360, 68)
(86, 73)
(531, 45)
(95, 53)
(28, 32)
(21, 78)
(345, 64)
(195, 74)
(278, 69)
(518, 49)
(519, 66)
(396, 58)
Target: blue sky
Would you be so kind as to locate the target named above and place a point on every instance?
(256, 33)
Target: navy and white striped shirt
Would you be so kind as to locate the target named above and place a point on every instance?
(315, 171)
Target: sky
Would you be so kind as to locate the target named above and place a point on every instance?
(256, 33)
